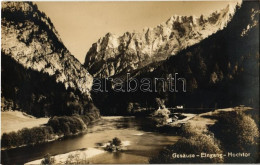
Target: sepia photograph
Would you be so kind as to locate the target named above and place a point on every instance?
(130, 82)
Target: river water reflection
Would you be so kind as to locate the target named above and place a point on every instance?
(144, 142)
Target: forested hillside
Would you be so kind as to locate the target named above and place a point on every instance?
(220, 71)
(39, 74)
(38, 93)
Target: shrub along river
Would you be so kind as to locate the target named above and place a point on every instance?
(145, 142)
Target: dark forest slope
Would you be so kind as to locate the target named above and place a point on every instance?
(220, 71)
(39, 74)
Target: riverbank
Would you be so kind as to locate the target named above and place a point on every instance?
(80, 156)
(139, 140)
(16, 120)
(220, 132)
(204, 120)
(56, 128)
(76, 157)
(201, 120)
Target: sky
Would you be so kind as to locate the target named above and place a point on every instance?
(80, 24)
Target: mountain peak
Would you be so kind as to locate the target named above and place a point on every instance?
(29, 37)
(138, 49)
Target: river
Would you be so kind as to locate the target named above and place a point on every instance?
(145, 142)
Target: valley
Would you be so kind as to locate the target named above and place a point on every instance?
(138, 131)
(187, 86)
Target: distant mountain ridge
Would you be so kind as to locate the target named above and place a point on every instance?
(220, 71)
(114, 55)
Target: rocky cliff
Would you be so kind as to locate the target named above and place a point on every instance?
(220, 71)
(39, 74)
(29, 37)
(114, 55)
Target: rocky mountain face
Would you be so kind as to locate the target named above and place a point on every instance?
(220, 71)
(29, 37)
(39, 74)
(114, 55)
